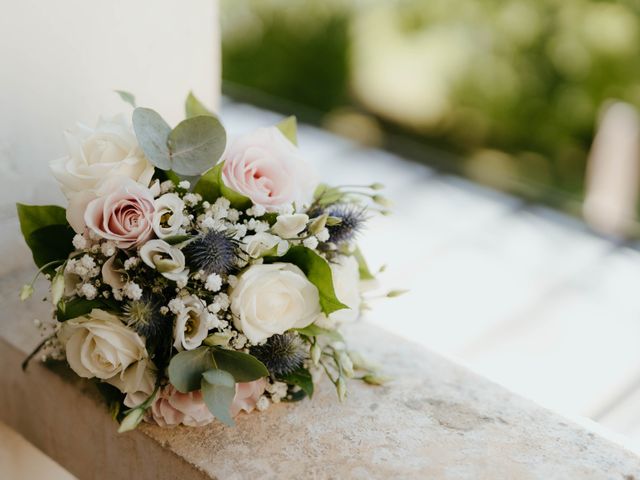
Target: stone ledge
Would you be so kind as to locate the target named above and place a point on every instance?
(436, 420)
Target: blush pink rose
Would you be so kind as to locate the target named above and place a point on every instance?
(266, 167)
(173, 408)
(120, 210)
(247, 395)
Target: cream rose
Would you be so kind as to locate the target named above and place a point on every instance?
(168, 260)
(168, 216)
(137, 382)
(268, 168)
(191, 325)
(100, 345)
(120, 210)
(271, 299)
(111, 149)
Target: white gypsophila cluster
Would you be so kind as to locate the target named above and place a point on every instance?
(277, 390)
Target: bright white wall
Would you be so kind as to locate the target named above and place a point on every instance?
(60, 61)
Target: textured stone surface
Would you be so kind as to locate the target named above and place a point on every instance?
(435, 420)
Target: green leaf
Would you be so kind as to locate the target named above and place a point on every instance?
(318, 272)
(363, 268)
(300, 377)
(194, 107)
(209, 184)
(289, 128)
(196, 144)
(175, 239)
(243, 367)
(51, 243)
(77, 307)
(34, 217)
(186, 368)
(316, 331)
(211, 187)
(218, 391)
(46, 232)
(152, 133)
(127, 97)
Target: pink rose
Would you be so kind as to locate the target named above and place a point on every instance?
(120, 210)
(247, 395)
(173, 408)
(267, 168)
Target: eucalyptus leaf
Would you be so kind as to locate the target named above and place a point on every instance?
(218, 391)
(243, 367)
(153, 133)
(194, 107)
(289, 128)
(186, 368)
(196, 144)
(300, 377)
(127, 97)
(319, 273)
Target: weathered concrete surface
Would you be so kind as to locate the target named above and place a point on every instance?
(436, 420)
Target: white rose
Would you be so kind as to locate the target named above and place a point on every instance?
(346, 284)
(290, 225)
(111, 149)
(266, 167)
(100, 345)
(263, 243)
(191, 326)
(271, 299)
(168, 260)
(168, 216)
(137, 382)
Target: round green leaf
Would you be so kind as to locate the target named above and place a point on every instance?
(243, 367)
(152, 133)
(218, 391)
(196, 144)
(186, 368)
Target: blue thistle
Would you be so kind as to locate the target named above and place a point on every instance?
(144, 317)
(281, 354)
(353, 218)
(214, 252)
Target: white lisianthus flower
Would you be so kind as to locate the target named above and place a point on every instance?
(191, 325)
(168, 260)
(109, 150)
(346, 283)
(290, 225)
(271, 299)
(168, 216)
(100, 345)
(262, 243)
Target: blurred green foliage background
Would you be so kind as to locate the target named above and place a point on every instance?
(505, 92)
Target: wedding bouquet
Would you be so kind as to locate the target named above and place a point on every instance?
(194, 279)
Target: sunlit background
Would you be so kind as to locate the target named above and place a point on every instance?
(508, 135)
